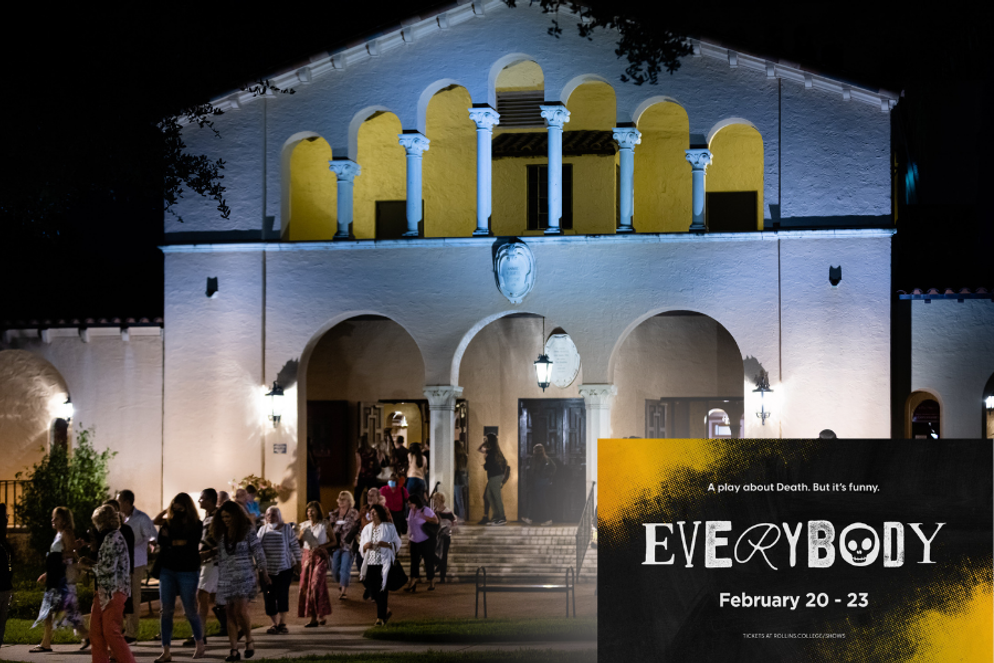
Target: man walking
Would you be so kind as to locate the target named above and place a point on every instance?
(207, 587)
(145, 534)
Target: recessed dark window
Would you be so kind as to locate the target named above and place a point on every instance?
(538, 197)
(520, 108)
(731, 211)
(391, 219)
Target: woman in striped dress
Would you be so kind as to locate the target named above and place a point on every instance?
(237, 547)
(282, 558)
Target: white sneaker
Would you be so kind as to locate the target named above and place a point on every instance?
(526, 521)
(546, 523)
(500, 522)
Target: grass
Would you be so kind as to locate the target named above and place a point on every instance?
(487, 630)
(19, 632)
(502, 656)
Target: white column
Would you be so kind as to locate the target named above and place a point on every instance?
(700, 159)
(486, 118)
(555, 116)
(414, 144)
(628, 138)
(346, 171)
(442, 406)
(597, 399)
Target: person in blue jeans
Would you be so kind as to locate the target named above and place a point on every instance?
(345, 523)
(179, 572)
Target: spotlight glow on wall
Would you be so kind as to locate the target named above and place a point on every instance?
(989, 402)
(275, 397)
(64, 410)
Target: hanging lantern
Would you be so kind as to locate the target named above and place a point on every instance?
(543, 371)
(275, 397)
(65, 410)
(763, 387)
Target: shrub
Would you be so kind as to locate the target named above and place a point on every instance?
(77, 480)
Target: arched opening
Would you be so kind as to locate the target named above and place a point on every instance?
(719, 425)
(359, 373)
(380, 192)
(449, 165)
(735, 180)
(988, 409)
(662, 174)
(32, 392)
(497, 373)
(672, 372)
(520, 90)
(313, 191)
(923, 416)
(590, 159)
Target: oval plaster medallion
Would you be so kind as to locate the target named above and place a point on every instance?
(514, 268)
(565, 359)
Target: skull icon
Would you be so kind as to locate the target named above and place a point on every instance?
(859, 544)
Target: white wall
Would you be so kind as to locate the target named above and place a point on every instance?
(116, 389)
(952, 349)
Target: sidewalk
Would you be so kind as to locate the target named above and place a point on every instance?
(343, 633)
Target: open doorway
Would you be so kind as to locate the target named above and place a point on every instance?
(559, 424)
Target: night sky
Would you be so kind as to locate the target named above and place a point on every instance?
(80, 197)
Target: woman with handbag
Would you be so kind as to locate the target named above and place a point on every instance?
(237, 548)
(345, 525)
(60, 582)
(422, 530)
(316, 538)
(112, 570)
(179, 572)
(379, 544)
(282, 558)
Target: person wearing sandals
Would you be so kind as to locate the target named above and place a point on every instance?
(237, 547)
(316, 538)
(60, 594)
(345, 525)
(179, 571)
(378, 543)
(282, 559)
(112, 570)
(422, 543)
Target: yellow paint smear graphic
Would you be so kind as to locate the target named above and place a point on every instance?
(949, 621)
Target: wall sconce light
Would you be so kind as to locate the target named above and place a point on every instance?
(275, 403)
(398, 420)
(763, 387)
(989, 402)
(65, 410)
(543, 365)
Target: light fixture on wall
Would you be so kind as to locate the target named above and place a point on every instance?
(275, 397)
(65, 410)
(763, 387)
(989, 402)
(543, 365)
(398, 420)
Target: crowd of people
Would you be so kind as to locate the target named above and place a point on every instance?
(220, 563)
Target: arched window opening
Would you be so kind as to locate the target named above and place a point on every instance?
(925, 419)
(662, 174)
(313, 194)
(380, 193)
(735, 180)
(591, 154)
(449, 165)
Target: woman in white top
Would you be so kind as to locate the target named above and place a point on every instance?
(282, 558)
(316, 538)
(379, 544)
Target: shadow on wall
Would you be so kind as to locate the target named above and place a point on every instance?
(287, 376)
(751, 368)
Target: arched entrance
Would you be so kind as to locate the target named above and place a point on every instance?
(679, 375)
(358, 373)
(923, 416)
(988, 406)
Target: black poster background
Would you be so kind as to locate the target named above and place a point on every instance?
(671, 613)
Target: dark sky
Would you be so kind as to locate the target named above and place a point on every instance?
(79, 197)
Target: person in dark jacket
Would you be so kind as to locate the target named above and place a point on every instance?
(6, 572)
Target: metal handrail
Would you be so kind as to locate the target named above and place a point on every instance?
(11, 491)
(584, 528)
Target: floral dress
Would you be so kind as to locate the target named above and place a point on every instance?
(236, 572)
(113, 568)
(60, 596)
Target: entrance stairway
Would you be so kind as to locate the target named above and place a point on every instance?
(530, 553)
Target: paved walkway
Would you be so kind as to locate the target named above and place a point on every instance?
(343, 633)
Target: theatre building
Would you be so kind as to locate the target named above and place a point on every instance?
(435, 207)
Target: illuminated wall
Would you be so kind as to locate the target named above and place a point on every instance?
(449, 166)
(313, 191)
(737, 163)
(30, 393)
(384, 171)
(662, 174)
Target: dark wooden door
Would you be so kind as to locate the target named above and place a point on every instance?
(328, 439)
(560, 425)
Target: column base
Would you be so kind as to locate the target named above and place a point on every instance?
(553, 231)
(341, 236)
(624, 230)
(411, 233)
(481, 232)
(697, 229)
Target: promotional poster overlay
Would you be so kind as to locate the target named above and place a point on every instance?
(830, 551)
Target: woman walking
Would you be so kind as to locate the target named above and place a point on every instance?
(345, 525)
(496, 468)
(422, 542)
(416, 471)
(379, 544)
(237, 548)
(179, 555)
(316, 538)
(396, 496)
(60, 594)
(282, 557)
(112, 569)
(447, 526)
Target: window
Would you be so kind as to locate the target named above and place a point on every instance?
(391, 219)
(520, 108)
(538, 197)
(731, 211)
